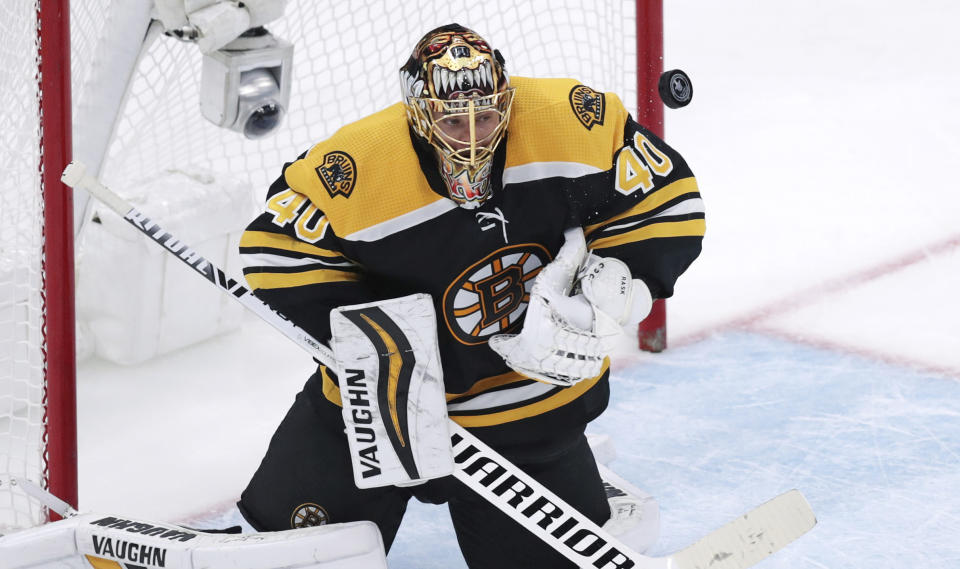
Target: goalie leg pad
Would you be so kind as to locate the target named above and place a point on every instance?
(106, 541)
(391, 385)
(634, 514)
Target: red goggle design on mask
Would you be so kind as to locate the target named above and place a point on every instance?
(435, 45)
(456, 64)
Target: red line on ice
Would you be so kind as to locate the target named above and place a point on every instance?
(752, 320)
(876, 355)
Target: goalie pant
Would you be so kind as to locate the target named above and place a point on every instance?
(308, 480)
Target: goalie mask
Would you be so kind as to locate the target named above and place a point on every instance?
(458, 99)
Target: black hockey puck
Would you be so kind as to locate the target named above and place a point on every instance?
(675, 88)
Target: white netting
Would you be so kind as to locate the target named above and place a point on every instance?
(21, 228)
(346, 61)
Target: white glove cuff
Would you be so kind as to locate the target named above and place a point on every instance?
(611, 289)
(641, 303)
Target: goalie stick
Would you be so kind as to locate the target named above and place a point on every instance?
(52, 503)
(737, 545)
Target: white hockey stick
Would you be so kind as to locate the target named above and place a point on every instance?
(53, 503)
(737, 545)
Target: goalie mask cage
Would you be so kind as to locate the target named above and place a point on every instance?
(136, 115)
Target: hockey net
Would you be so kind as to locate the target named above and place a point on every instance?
(23, 366)
(136, 116)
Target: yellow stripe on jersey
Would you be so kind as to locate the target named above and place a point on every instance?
(559, 399)
(332, 392)
(368, 173)
(489, 383)
(651, 202)
(544, 127)
(280, 241)
(689, 228)
(290, 280)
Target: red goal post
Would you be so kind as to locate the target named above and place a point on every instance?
(97, 80)
(37, 361)
(652, 332)
(60, 435)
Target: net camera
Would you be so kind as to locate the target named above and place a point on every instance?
(245, 86)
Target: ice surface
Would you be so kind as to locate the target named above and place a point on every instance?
(717, 428)
(807, 353)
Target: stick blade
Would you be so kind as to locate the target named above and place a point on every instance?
(752, 537)
(73, 173)
(45, 497)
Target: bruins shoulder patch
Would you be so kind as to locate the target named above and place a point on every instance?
(588, 105)
(338, 173)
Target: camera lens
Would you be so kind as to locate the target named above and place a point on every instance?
(263, 120)
(259, 112)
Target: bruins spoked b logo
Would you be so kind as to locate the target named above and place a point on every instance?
(490, 297)
(338, 173)
(308, 515)
(588, 105)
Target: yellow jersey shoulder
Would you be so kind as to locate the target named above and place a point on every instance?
(563, 120)
(365, 174)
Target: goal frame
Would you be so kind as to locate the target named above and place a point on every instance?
(60, 400)
(652, 331)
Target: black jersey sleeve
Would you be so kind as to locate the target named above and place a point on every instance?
(646, 211)
(292, 260)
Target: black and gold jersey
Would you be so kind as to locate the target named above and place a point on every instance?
(363, 216)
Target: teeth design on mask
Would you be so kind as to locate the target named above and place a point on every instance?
(446, 81)
(451, 81)
(485, 72)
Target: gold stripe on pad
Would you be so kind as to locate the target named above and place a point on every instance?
(393, 381)
(102, 563)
